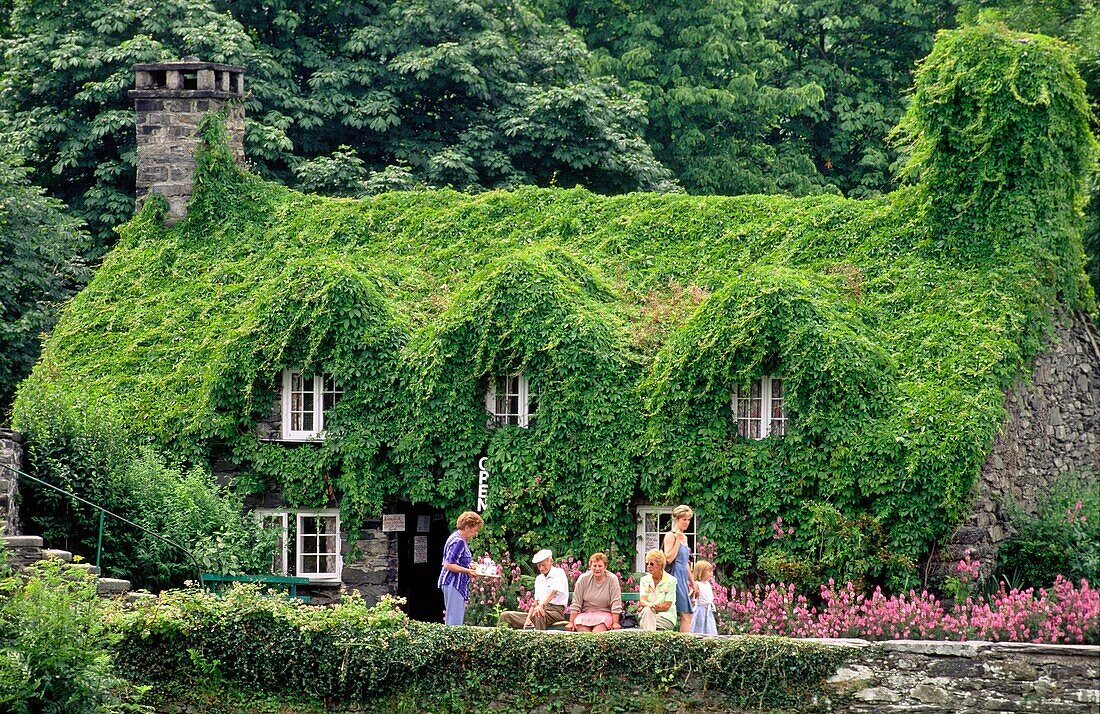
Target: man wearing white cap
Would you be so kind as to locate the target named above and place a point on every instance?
(551, 596)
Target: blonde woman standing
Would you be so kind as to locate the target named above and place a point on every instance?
(678, 556)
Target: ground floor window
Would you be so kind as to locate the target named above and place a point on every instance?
(653, 523)
(308, 543)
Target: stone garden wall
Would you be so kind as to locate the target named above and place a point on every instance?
(11, 454)
(932, 677)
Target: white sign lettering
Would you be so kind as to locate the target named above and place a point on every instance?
(482, 483)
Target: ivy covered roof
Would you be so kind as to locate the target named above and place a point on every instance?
(896, 324)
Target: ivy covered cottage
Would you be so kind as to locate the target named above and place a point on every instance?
(574, 365)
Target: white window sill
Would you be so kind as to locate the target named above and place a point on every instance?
(301, 439)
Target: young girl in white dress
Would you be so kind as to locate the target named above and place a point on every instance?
(702, 618)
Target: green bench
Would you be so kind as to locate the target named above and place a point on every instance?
(215, 583)
(627, 598)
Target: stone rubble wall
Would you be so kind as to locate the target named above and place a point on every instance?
(965, 677)
(1052, 429)
(167, 137)
(11, 454)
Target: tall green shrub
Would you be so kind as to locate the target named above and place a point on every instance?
(76, 449)
(55, 649)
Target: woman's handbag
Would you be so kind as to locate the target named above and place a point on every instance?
(628, 619)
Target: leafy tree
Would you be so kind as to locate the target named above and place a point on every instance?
(39, 268)
(719, 101)
(862, 54)
(66, 71)
(480, 93)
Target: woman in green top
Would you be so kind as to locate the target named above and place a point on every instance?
(656, 595)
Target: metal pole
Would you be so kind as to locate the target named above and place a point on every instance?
(99, 545)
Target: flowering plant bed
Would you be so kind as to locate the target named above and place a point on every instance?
(1065, 613)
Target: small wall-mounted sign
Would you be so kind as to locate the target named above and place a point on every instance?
(423, 524)
(482, 483)
(393, 522)
(420, 549)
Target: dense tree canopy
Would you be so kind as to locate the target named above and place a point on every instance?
(862, 54)
(474, 94)
(718, 96)
(37, 269)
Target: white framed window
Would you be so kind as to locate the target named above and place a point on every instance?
(318, 541)
(759, 410)
(508, 400)
(653, 523)
(308, 540)
(306, 400)
(276, 521)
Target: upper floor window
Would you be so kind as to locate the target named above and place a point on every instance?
(508, 400)
(308, 543)
(306, 400)
(759, 409)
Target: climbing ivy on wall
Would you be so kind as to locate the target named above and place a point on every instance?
(896, 324)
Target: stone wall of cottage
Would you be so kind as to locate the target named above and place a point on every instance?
(1052, 429)
(11, 454)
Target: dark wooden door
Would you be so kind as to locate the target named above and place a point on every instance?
(419, 559)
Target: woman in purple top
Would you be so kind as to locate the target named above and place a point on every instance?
(454, 578)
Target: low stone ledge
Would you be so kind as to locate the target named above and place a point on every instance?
(1047, 650)
(939, 648)
(938, 677)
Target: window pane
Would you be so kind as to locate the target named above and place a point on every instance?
(749, 411)
(778, 415)
(302, 400)
(330, 393)
(507, 406)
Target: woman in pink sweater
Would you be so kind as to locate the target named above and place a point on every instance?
(597, 599)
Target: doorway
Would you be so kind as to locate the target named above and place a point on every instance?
(419, 558)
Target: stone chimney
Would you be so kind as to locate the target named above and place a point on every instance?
(170, 100)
